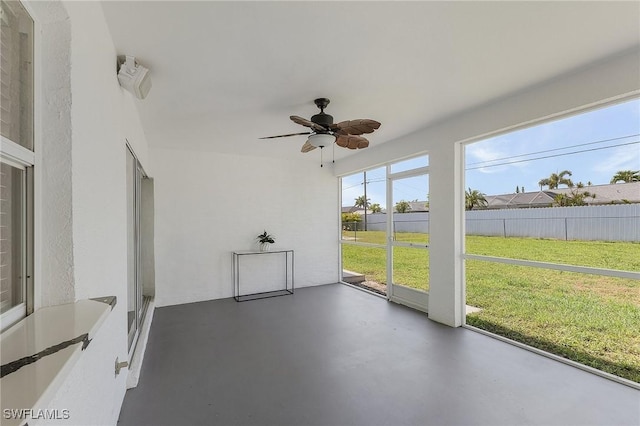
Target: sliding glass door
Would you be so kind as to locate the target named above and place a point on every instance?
(135, 301)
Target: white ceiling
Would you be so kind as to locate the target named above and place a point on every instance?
(226, 73)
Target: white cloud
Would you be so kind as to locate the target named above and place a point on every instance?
(349, 195)
(621, 158)
(489, 153)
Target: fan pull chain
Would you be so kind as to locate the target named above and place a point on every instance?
(321, 151)
(333, 154)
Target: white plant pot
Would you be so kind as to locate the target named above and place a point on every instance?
(265, 246)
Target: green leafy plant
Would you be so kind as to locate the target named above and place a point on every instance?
(403, 206)
(573, 198)
(265, 238)
(350, 221)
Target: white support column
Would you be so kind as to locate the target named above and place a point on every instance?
(446, 275)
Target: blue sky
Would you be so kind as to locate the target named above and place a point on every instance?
(593, 146)
(597, 165)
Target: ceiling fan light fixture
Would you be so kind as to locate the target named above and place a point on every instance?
(320, 140)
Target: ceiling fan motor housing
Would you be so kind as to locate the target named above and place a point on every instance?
(325, 120)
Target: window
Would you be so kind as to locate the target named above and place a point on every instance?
(16, 162)
(364, 254)
(552, 237)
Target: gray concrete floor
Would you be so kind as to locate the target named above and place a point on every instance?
(334, 355)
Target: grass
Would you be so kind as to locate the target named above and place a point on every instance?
(597, 254)
(586, 318)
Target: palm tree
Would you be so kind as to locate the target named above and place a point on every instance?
(573, 198)
(473, 198)
(363, 202)
(556, 179)
(403, 206)
(626, 176)
(375, 208)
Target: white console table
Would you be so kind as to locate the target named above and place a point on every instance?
(286, 255)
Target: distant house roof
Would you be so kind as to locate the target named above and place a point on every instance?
(613, 193)
(520, 200)
(350, 209)
(604, 194)
(418, 206)
(357, 210)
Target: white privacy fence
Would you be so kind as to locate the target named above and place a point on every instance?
(620, 222)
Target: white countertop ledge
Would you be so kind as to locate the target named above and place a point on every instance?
(38, 352)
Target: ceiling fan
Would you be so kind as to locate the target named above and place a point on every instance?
(345, 134)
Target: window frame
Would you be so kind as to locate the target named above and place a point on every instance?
(536, 265)
(417, 299)
(18, 156)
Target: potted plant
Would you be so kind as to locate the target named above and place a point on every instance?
(265, 241)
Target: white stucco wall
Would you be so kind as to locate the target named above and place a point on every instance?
(53, 269)
(83, 119)
(208, 204)
(611, 80)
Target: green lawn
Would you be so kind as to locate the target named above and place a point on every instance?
(591, 319)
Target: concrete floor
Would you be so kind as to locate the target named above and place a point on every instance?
(334, 355)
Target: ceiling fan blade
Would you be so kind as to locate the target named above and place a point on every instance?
(307, 123)
(357, 127)
(363, 143)
(352, 141)
(286, 136)
(307, 147)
